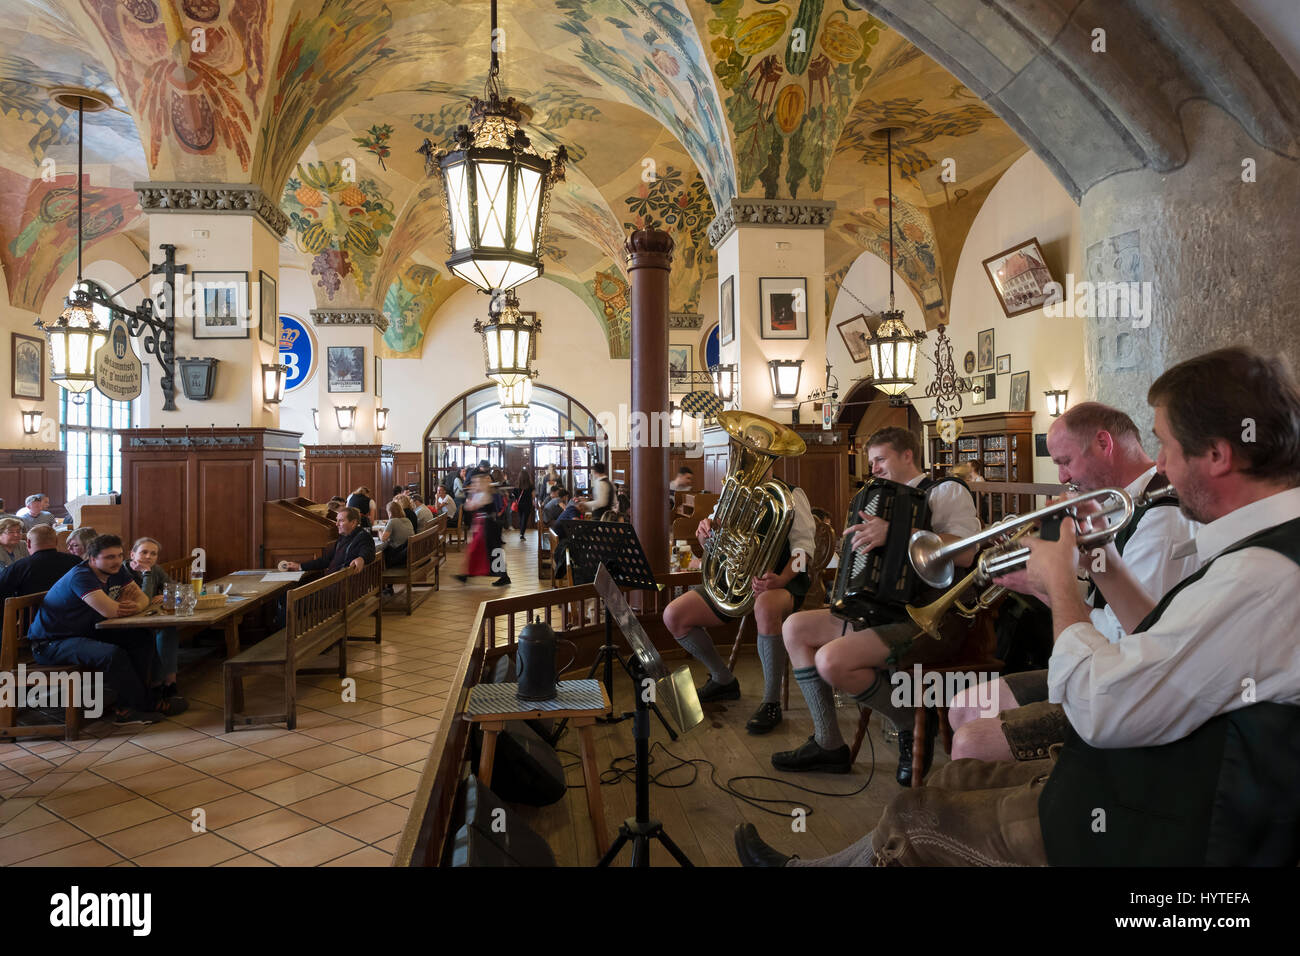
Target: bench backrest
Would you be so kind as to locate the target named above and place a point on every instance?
(425, 547)
(365, 583)
(18, 615)
(315, 611)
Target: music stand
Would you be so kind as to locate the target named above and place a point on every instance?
(613, 544)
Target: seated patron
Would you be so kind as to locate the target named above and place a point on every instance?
(35, 511)
(408, 509)
(396, 533)
(362, 500)
(354, 548)
(41, 569)
(553, 506)
(63, 632)
(445, 504)
(79, 540)
(424, 517)
(152, 579)
(12, 546)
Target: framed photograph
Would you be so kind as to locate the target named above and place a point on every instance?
(783, 307)
(856, 334)
(679, 367)
(970, 362)
(984, 346)
(221, 309)
(268, 312)
(727, 312)
(28, 367)
(1004, 364)
(1019, 277)
(379, 374)
(346, 368)
(990, 386)
(1019, 393)
(977, 396)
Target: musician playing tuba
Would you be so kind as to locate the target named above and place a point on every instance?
(824, 655)
(778, 593)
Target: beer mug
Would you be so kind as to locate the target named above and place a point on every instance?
(169, 597)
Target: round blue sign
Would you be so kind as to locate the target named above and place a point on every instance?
(297, 350)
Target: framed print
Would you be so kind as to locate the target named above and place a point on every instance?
(856, 334)
(1019, 392)
(379, 374)
(346, 367)
(28, 367)
(268, 312)
(1004, 364)
(783, 308)
(221, 309)
(990, 385)
(727, 312)
(969, 362)
(984, 346)
(679, 368)
(1019, 277)
(977, 395)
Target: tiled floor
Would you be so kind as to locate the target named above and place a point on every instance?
(335, 791)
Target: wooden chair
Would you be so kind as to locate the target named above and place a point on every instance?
(545, 547)
(177, 569)
(456, 534)
(425, 554)
(317, 620)
(15, 650)
(977, 655)
(364, 599)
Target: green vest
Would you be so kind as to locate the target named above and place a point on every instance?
(1225, 795)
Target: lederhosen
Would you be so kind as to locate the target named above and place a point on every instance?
(1224, 795)
(1032, 727)
(797, 586)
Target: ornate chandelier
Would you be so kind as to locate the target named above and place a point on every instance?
(514, 401)
(496, 188)
(893, 346)
(508, 341)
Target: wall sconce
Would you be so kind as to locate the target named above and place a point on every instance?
(381, 419)
(198, 377)
(785, 379)
(724, 382)
(315, 418)
(674, 415)
(32, 421)
(274, 378)
(346, 416)
(1056, 400)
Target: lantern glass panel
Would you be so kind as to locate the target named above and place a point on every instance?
(458, 199)
(528, 195)
(493, 202)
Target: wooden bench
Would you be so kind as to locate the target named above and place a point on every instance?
(545, 547)
(14, 649)
(317, 621)
(425, 554)
(364, 599)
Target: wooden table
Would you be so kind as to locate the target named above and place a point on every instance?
(580, 701)
(248, 586)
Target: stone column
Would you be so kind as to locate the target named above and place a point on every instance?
(649, 259)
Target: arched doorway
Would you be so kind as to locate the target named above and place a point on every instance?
(867, 409)
(561, 431)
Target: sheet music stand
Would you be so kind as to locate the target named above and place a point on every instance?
(615, 545)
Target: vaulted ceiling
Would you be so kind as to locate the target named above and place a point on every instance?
(668, 110)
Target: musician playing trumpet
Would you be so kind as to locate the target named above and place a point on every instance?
(826, 655)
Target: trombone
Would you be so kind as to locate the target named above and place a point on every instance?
(933, 560)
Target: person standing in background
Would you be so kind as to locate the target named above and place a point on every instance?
(524, 500)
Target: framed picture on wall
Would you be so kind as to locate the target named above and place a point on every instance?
(984, 348)
(28, 367)
(1004, 364)
(783, 308)
(1019, 392)
(1019, 277)
(221, 308)
(679, 367)
(379, 375)
(727, 311)
(969, 362)
(977, 394)
(346, 368)
(856, 334)
(268, 313)
(990, 385)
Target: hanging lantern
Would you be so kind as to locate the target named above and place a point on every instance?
(893, 346)
(74, 339)
(496, 189)
(508, 341)
(515, 397)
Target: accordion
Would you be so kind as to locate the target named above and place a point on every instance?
(874, 587)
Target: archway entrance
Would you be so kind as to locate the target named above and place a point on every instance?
(867, 409)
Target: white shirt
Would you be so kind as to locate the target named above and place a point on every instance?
(803, 530)
(1149, 554)
(1230, 633)
(952, 510)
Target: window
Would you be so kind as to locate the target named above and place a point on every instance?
(86, 433)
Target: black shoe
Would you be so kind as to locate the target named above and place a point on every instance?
(462, 578)
(501, 581)
(712, 691)
(765, 718)
(754, 852)
(904, 772)
(814, 757)
(172, 706)
(125, 718)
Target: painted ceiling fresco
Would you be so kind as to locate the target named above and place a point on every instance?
(667, 109)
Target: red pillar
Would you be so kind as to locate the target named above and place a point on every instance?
(649, 259)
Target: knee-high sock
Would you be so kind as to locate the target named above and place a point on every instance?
(771, 652)
(700, 646)
(862, 853)
(877, 698)
(821, 704)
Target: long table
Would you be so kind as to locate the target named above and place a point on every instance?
(248, 591)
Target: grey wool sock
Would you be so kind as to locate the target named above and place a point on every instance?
(877, 698)
(771, 652)
(700, 646)
(821, 704)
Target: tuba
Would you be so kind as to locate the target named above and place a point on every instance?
(753, 516)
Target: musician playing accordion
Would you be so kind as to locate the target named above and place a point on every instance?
(826, 653)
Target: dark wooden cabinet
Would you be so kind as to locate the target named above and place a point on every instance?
(30, 471)
(342, 469)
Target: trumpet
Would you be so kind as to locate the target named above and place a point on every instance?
(928, 618)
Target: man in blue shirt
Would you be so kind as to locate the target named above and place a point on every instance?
(63, 631)
(41, 569)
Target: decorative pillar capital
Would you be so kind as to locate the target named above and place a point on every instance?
(649, 249)
(240, 199)
(685, 320)
(350, 317)
(789, 213)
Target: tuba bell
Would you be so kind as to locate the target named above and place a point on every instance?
(754, 513)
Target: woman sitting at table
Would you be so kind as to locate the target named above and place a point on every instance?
(13, 541)
(395, 534)
(444, 503)
(408, 508)
(152, 579)
(79, 540)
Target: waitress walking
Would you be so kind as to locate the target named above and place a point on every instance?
(484, 555)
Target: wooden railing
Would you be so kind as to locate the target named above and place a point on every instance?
(430, 823)
(996, 499)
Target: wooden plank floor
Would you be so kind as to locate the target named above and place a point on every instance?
(700, 818)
